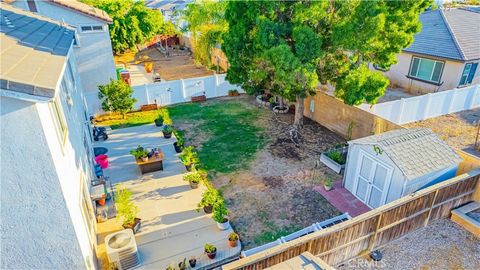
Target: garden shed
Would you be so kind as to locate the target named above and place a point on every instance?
(385, 167)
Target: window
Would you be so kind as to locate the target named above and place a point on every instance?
(426, 69)
(59, 120)
(87, 209)
(91, 28)
(468, 73)
(32, 6)
(377, 67)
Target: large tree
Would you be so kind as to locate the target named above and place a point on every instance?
(288, 46)
(133, 23)
(206, 24)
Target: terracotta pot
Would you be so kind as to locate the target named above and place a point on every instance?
(232, 243)
(102, 201)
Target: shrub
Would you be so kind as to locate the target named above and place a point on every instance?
(167, 129)
(139, 152)
(209, 198)
(220, 211)
(233, 237)
(193, 177)
(336, 156)
(209, 248)
(159, 118)
(328, 182)
(189, 156)
(179, 135)
(125, 207)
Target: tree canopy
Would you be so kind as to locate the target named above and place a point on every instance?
(116, 96)
(133, 23)
(206, 23)
(287, 47)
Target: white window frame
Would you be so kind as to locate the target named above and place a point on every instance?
(58, 117)
(91, 26)
(420, 59)
(89, 216)
(375, 161)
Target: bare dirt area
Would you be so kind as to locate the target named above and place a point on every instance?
(394, 94)
(441, 245)
(275, 195)
(459, 130)
(178, 65)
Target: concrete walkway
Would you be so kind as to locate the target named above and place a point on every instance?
(171, 227)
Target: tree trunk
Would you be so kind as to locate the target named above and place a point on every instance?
(298, 122)
(281, 103)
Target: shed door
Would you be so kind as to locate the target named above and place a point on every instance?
(373, 179)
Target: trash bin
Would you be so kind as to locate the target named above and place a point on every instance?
(102, 160)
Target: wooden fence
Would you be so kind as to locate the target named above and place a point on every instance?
(470, 162)
(373, 229)
(349, 121)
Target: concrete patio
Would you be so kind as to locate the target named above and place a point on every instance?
(171, 227)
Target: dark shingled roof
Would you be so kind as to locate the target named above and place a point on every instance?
(450, 33)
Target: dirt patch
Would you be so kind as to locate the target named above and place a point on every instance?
(275, 195)
(176, 66)
(458, 130)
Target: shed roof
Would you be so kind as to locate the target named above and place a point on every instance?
(33, 51)
(449, 33)
(416, 151)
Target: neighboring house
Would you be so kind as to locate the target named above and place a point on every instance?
(170, 9)
(93, 49)
(385, 167)
(46, 159)
(444, 55)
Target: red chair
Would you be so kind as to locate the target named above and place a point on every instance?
(102, 160)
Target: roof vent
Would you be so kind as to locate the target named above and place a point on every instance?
(8, 22)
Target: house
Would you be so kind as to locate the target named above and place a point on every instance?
(385, 167)
(46, 159)
(443, 56)
(93, 49)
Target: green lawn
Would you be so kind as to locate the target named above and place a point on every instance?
(133, 119)
(232, 136)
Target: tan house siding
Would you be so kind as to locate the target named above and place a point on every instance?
(451, 75)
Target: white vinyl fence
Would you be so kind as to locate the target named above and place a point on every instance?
(407, 110)
(179, 91)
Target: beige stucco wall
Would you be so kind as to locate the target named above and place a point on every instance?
(450, 76)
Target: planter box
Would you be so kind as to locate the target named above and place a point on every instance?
(199, 98)
(148, 107)
(336, 167)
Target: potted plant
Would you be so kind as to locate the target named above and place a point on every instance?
(171, 266)
(193, 179)
(192, 262)
(209, 198)
(219, 215)
(178, 145)
(183, 264)
(233, 239)
(189, 157)
(211, 251)
(328, 183)
(140, 153)
(126, 210)
(159, 121)
(167, 131)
